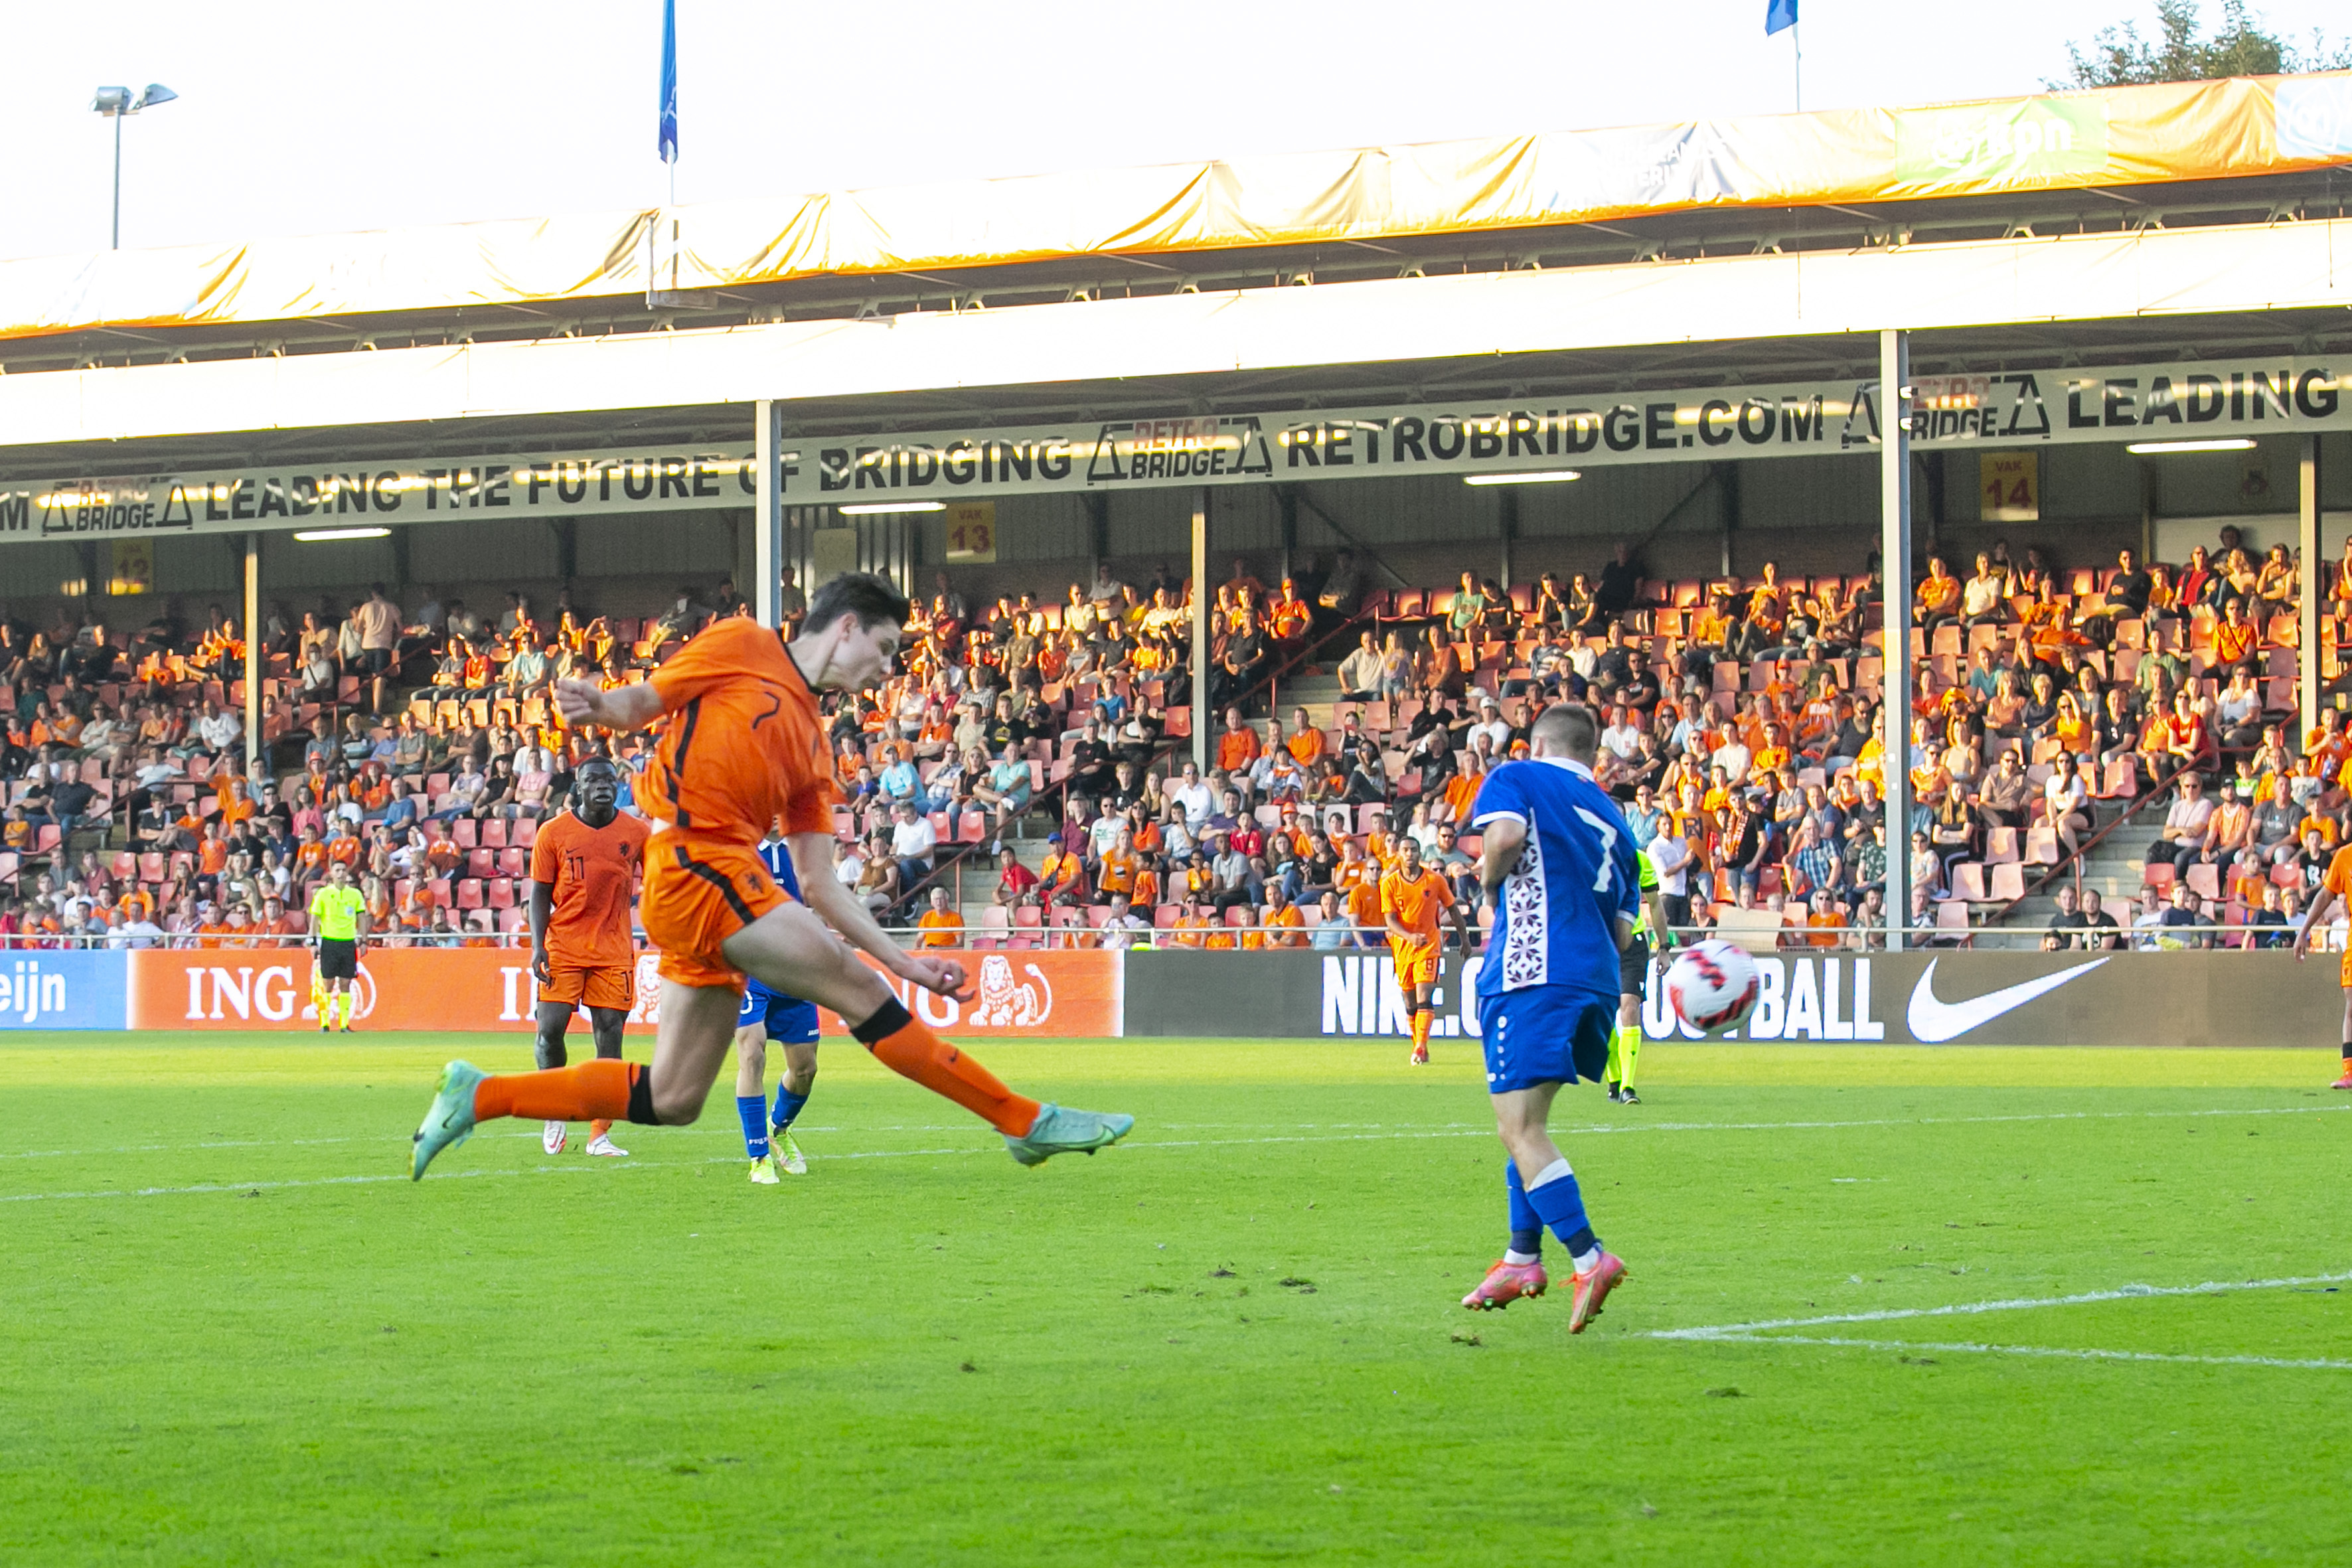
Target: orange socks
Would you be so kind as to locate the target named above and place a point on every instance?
(602, 1090)
(1421, 1022)
(908, 1048)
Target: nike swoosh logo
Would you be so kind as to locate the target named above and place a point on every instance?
(1933, 1022)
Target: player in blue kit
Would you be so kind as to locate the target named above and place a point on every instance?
(1557, 861)
(791, 1022)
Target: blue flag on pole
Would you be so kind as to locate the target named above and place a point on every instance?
(1778, 14)
(668, 134)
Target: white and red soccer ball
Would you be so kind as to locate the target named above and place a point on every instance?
(1712, 985)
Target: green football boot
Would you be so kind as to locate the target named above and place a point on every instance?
(451, 1120)
(1058, 1131)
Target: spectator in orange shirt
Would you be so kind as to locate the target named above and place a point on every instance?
(1284, 926)
(1238, 746)
(1189, 924)
(212, 853)
(1307, 742)
(941, 926)
(1826, 921)
(276, 929)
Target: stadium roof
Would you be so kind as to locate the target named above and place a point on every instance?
(2118, 160)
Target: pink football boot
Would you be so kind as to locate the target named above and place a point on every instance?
(1592, 1288)
(1505, 1283)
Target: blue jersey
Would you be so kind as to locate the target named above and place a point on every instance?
(1556, 924)
(788, 1018)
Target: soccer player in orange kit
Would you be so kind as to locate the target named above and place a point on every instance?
(742, 748)
(1413, 898)
(583, 866)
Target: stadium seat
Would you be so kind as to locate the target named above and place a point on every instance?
(2000, 845)
(514, 862)
(494, 832)
(462, 830)
(469, 893)
(2007, 883)
(2204, 879)
(481, 862)
(501, 892)
(523, 831)
(2041, 845)
(1952, 915)
(1968, 882)
(2159, 875)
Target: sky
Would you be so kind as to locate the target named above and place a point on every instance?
(298, 118)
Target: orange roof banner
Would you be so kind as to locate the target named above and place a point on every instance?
(2116, 136)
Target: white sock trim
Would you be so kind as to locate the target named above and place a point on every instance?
(1513, 1255)
(1552, 1173)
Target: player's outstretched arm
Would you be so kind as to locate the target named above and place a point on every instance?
(2315, 921)
(584, 702)
(846, 914)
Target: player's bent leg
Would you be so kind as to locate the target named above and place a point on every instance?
(1551, 1193)
(789, 949)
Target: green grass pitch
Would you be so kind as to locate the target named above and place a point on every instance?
(235, 1333)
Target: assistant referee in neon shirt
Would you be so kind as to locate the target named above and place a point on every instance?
(337, 931)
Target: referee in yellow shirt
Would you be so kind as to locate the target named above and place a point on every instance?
(338, 932)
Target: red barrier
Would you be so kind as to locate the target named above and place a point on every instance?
(473, 989)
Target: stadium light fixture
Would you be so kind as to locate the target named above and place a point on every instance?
(2221, 444)
(323, 535)
(1543, 476)
(875, 507)
(116, 104)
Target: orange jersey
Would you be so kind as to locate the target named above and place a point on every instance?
(743, 744)
(589, 871)
(941, 928)
(1418, 903)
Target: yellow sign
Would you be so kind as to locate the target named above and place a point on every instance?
(2009, 487)
(134, 567)
(972, 532)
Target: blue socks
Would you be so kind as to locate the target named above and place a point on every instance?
(750, 1111)
(1526, 1226)
(788, 1106)
(1560, 1203)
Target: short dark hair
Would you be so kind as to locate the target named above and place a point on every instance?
(1572, 727)
(870, 598)
(603, 763)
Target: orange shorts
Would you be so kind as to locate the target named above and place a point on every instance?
(698, 893)
(1416, 964)
(599, 987)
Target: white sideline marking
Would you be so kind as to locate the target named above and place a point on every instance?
(1409, 1130)
(2017, 1304)
(1766, 1331)
(2063, 1355)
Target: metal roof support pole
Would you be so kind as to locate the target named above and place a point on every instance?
(1201, 716)
(768, 515)
(2307, 601)
(1506, 525)
(1894, 596)
(257, 656)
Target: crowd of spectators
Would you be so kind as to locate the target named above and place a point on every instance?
(1740, 730)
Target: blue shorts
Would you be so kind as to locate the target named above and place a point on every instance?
(789, 1020)
(1544, 1034)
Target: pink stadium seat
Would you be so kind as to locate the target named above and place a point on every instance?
(524, 831)
(2000, 845)
(2041, 845)
(2158, 874)
(2204, 881)
(494, 832)
(469, 893)
(462, 830)
(1967, 879)
(2007, 883)
(481, 862)
(501, 892)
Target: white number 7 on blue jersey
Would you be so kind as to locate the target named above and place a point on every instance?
(1607, 846)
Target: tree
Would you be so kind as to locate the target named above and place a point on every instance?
(2119, 56)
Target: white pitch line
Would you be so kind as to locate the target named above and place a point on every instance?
(1440, 1130)
(1957, 1348)
(2015, 1304)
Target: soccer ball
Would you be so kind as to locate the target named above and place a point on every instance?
(1712, 985)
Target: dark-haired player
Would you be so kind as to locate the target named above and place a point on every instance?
(583, 868)
(742, 747)
(1557, 860)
